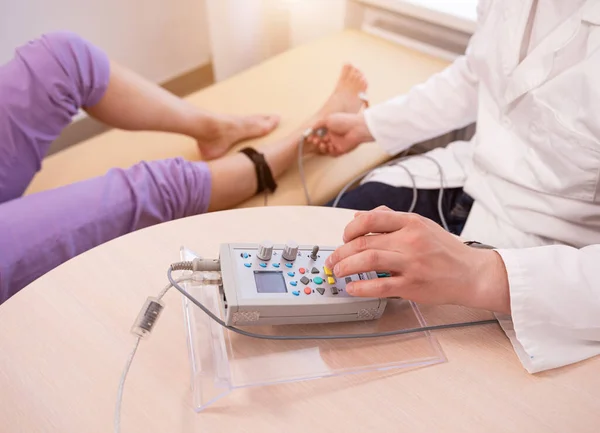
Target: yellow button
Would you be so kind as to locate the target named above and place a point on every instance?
(327, 271)
(330, 280)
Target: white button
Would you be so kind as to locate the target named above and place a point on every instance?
(535, 129)
(506, 123)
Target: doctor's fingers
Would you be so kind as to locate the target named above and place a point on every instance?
(335, 150)
(377, 288)
(359, 245)
(377, 209)
(327, 149)
(379, 222)
(399, 286)
(368, 261)
(335, 145)
(315, 139)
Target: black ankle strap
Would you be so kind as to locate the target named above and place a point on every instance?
(264, 177)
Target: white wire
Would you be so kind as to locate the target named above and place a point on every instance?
(164, 291)
(414, 185)
(117, 426)
(119, 402)
(315, 337)
(175, 283)
(353, 181)
(396, 161)
(364, 175)
(441, 196)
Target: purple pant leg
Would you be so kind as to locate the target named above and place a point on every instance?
(39, 232)
(41, 89)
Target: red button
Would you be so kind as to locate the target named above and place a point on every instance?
(302, 270)
(308, 291)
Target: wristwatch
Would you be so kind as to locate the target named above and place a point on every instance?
(476, 244)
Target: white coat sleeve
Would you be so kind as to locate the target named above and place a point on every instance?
(445, 102)
(555, 304)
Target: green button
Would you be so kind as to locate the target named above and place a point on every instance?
(318, 280)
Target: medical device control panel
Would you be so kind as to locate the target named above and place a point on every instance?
(267, 284)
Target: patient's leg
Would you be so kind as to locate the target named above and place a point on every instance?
(43, 230)
(40, 231)
(233, 177)
(52, 77)
(41, 89)
(132, 103)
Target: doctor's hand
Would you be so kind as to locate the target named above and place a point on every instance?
(427, 264)
(345, 132)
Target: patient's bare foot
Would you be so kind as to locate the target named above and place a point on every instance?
(218, 133)
(344, 99)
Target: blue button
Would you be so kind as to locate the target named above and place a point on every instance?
(248, 265)
(296, 293)
(294, 283)
(289, 265)
(245, 255)
(292, 274)
(263, 265)
(275, 265)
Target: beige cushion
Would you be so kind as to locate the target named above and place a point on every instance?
(294, 84)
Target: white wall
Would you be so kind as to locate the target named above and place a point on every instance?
(313, 19)
(246, 32)
(159, 39)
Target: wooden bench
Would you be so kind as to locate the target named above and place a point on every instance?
(294, 84)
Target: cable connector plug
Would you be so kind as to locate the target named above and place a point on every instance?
(198, 265)
(146, 319)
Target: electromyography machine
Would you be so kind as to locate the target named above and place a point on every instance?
(267, 284)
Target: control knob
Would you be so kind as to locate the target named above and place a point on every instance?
(290, 252)
(265, 251)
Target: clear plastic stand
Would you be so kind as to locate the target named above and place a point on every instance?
(223, 361)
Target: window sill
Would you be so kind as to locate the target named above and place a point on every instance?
(462, 18)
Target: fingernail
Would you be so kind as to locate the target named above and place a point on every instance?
(350, 289)
(336, 270)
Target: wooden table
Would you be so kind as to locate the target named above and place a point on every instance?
(65, 338)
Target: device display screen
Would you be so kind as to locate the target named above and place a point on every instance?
(270, 282)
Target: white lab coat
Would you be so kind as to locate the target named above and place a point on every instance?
(533, 166)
